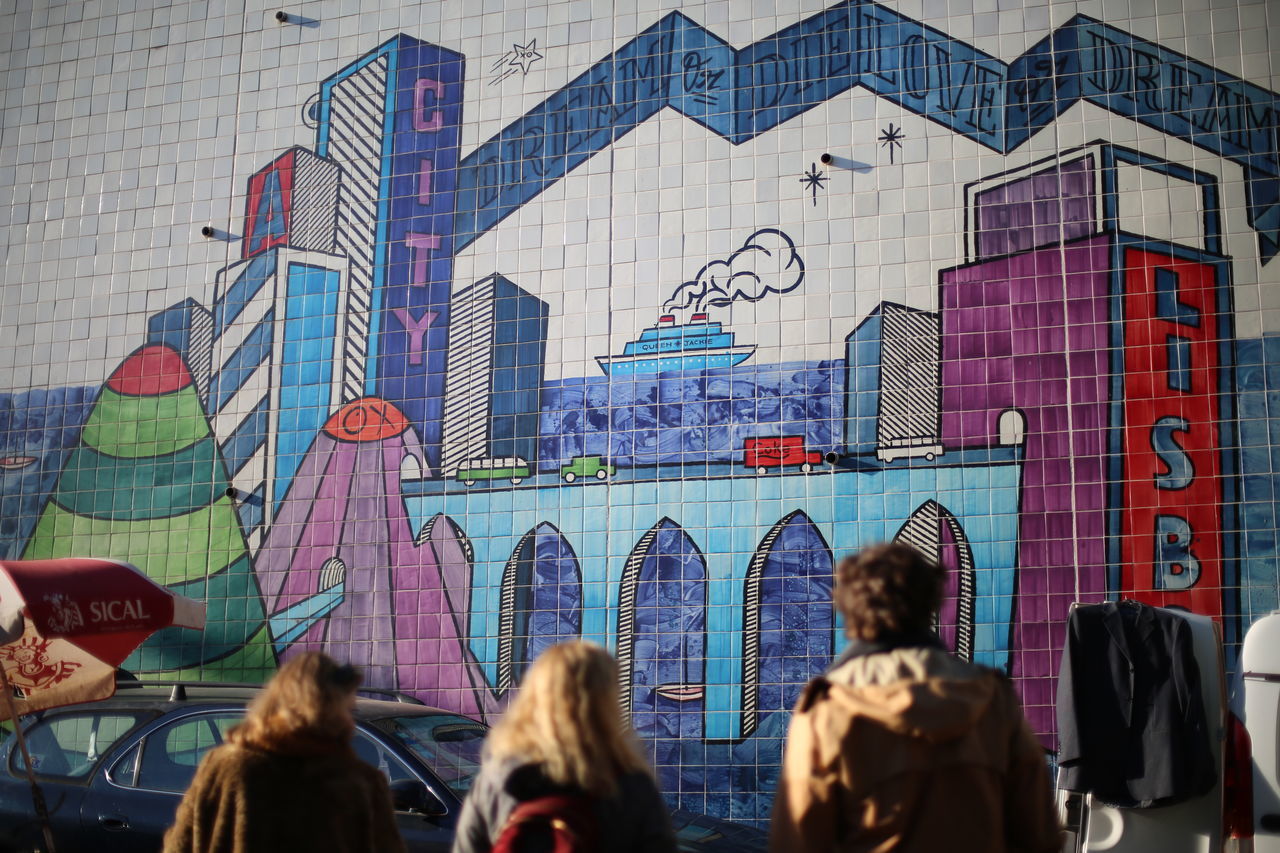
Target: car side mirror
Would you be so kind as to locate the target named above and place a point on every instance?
(410, 795)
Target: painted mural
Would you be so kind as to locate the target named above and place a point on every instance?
(344, 446)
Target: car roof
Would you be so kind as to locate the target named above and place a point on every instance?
(163, 697)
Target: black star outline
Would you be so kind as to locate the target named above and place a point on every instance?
(891, 137)
(813, 180)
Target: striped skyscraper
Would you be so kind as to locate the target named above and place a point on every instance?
(892, 382)
(391, 120)
(497, 346)
(356, 105)
(277, 343)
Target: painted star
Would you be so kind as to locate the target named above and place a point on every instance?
(891, 137)
(525, 55)
(813, 180)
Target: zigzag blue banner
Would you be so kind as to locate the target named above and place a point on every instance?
(740, 94)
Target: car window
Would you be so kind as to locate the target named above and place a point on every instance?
(171, 753)
(448, 744)
(376, 755)
(70, 745)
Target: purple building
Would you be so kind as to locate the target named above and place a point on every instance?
(1067, 334)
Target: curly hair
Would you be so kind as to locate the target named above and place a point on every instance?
(311, 695)
(887, 589)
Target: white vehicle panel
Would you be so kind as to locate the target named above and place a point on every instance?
(1260, 713)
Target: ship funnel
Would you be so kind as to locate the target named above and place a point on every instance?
(666, 320)
(698, 318)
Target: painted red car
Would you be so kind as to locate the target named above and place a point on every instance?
(765, 453)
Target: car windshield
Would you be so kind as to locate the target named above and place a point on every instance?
(448, 744)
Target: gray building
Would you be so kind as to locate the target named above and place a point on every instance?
(493, 378)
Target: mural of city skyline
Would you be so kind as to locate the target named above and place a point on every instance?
(345, 446)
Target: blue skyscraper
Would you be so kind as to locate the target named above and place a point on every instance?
(391, 122)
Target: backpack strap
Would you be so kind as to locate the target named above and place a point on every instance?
(569, 813)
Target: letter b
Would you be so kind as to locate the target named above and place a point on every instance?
(1176, 567)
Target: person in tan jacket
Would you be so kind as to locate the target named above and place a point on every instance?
(901, 747)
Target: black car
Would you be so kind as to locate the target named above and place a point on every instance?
(114, 771)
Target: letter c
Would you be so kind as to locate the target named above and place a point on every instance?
(436, 119)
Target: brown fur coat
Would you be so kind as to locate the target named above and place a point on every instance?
(317, 798)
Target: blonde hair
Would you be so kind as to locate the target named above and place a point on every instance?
(566, 719)
(310, 696)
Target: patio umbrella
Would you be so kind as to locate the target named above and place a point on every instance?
(65, 625)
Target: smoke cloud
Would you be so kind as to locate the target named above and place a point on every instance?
(766, 263)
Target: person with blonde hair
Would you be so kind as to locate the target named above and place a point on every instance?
(562, 755)
(288, 779)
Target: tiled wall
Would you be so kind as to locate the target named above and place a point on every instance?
(524, 321)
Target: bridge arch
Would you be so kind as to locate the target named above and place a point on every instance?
(936, 532)
(662, 623)
(788, 623)
(540, 601)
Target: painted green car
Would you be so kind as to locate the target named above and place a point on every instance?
(587, 466)
(511, 468)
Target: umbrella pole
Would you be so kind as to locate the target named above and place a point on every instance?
(37, 796)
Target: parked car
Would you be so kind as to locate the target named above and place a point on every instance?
(511, 468)
(1256, 701)
(587, 466)
(765, 453)
(1215, 822)
(114, 771)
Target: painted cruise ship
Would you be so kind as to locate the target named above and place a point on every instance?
(672, 348)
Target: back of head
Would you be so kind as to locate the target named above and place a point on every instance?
(566, 718)
(887, 590)
(310, 697)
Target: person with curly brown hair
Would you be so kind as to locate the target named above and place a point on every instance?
(902, 747)
(288, 779)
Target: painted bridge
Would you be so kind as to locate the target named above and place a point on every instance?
(730, 517)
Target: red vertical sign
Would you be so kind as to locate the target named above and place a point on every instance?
(1171, 529)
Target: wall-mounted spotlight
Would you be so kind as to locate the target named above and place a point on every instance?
(296, 19)
(218, 234)
(838, 162)
(243, 497)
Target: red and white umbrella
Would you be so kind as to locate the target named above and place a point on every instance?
(66, 625)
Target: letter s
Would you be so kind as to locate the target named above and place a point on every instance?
(1181, 472)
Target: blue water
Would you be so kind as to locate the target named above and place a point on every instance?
(646, 420)
(45, 424)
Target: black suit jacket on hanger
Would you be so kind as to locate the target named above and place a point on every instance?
(1131, 721)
